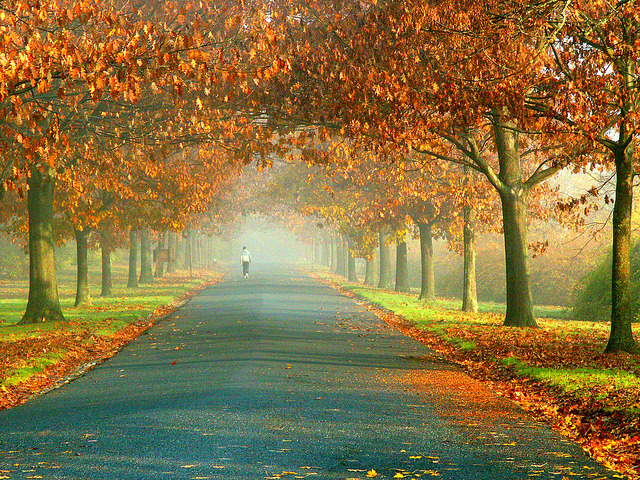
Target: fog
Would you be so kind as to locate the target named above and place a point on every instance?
(268, 243)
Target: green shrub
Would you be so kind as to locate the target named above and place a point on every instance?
(593, 299)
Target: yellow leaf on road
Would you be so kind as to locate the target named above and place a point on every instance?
(372, 473)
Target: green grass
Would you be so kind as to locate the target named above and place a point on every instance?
(11, 310)
(104, 316)
(576, 379)
(35, 366)
(437, 316)
(541, 311)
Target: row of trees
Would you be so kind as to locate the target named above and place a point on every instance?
(515, 91)
(364, 207)
(117, 116)
(453, 103)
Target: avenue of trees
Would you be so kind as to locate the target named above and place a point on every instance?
(516, 91)
(104, 106)
(433, 119)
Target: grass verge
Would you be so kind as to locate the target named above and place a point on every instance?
(557, 372)
(39, 357)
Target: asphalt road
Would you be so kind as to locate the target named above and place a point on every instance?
(278, 376)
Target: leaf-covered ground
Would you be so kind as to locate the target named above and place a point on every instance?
(38, 357)
(557, 372)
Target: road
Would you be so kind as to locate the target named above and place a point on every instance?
(278, 376)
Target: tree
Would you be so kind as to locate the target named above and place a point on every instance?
(594, 47)
(417, 76)
(102, 76)
(43, 303)
(134, 245)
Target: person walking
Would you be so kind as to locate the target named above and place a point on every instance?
(245, 260)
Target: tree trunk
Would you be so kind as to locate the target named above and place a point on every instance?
(519, 300)
(351, 263)
(427, 286)
(188, 253)
(171, 264)
(332, 255)
(43, 304)
(340, 258)
(513, 195)
(159, 273)
(179, 260)
(207, 252)
(344, 251)
(186, 242)
(402, 268)
(469, 288)
(107, 279)
(198, 251)
(146, 270)
(132, 282)
(83, 296)
(370, 272)
(384, 275)
(621, 336)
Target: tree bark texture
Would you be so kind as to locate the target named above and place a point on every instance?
(341, 263)
(469, 287)
(162, 243)
(621, 336)
(384, 275)
(370, 271)
(427, 284)
(513, 195)
(351, 264)
(83, 296)
(172, 245)
(345, 257)
(132, 281)
(107, 278)
(519, 299)
(43, 304)
(402, 268)
(146, 270)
